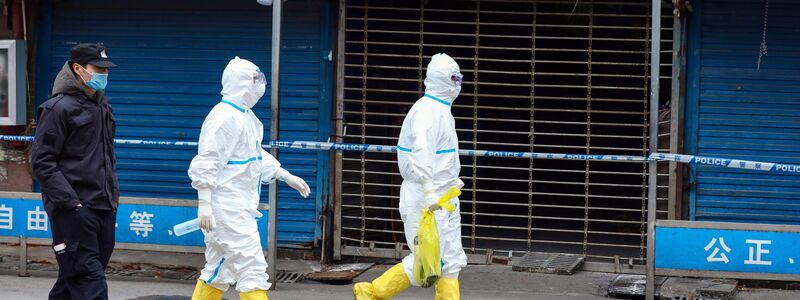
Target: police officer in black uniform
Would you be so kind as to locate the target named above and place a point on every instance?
(73, 160)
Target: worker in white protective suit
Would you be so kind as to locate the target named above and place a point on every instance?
(427, 155)
(228, 172)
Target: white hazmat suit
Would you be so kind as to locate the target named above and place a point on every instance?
(428, 159)
(427, 156)
(228, 172)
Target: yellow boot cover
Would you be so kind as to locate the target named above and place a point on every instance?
(388, 285)
(364, 291)
(254, 295)
(447, 289)
(203, 291)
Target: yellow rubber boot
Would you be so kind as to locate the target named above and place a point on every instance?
(447, 289)
(253, 295)
(203, 291)
(388, 285)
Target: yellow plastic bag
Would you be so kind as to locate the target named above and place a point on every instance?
(427, 258)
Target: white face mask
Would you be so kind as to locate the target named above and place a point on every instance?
(261, 89)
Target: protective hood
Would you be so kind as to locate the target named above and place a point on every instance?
(239, 84)
(438, 82)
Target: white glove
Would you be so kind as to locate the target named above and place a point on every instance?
(299, 185)
(204, 212)
(294, 182)
(431, 200)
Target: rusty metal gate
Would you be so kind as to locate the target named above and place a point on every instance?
(543, 76)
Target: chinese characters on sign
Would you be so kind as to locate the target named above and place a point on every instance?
(144, 224)
(713, 256)
(754, 257)
(6, 217)
(684, 247)
(757, 253)
(141, 223)
(37, 220)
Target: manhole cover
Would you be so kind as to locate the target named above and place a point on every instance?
(550, 263)
(339, 274)
(288, 277)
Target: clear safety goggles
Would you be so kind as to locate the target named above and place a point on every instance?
(259, 77)
(457, 78)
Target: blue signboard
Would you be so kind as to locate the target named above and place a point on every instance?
(743, 250)
(136, 223)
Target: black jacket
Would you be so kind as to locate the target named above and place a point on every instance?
(73, 151)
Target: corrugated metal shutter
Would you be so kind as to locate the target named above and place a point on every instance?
(544, 76)
(738, 111)
(171, 56)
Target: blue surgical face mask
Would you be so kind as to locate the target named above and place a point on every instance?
(98, 81)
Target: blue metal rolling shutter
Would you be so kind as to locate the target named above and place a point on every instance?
(171, 55)
(738, 111)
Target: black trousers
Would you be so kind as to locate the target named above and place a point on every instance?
(83, 240)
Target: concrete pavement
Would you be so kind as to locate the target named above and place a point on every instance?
(144, 275)
(12, 287)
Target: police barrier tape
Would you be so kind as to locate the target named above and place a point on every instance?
(326, 146)
(728, 163)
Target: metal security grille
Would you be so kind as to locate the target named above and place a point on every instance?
(544, 76)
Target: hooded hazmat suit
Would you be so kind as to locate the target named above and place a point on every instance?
(228, 172)
(428, 160)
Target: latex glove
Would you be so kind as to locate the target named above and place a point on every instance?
(299, 185)
(294, 182)
(204, 212)
(431, 200)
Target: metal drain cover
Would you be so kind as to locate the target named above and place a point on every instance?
(550, 263)
(289, 277)
(627, 286)
(631, 286)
